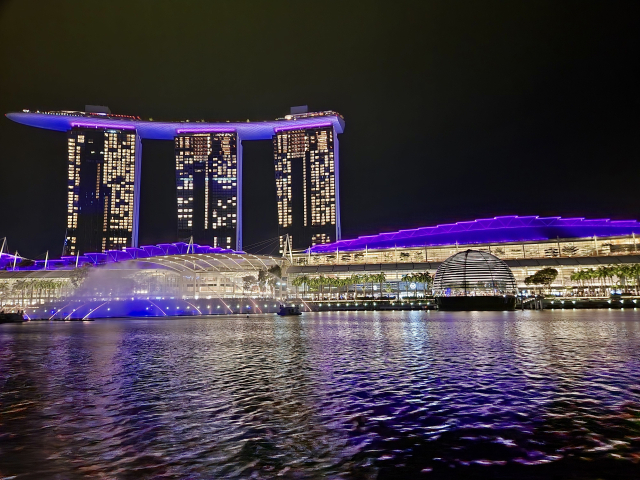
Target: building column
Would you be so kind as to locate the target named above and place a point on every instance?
(336, 177)
(136, 191)
(238, 192)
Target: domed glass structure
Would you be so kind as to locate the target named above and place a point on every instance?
(474, 280)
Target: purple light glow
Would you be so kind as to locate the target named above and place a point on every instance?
(488, 230)
(168, 130)
(68, 262)
(302, 127)
(206, 130)
(113, 126)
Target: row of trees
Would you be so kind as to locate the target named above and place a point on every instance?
(22, 290)
(616, 275)
(319, 285)
(425, 278)
(621, 276)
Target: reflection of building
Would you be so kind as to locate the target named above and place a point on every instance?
(207, 172)
(307, 169)
(102, 198)
(526, 244)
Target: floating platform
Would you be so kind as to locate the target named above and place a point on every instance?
(10, 317)
(471, 303)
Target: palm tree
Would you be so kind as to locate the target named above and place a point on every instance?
(591, 275)
(322, 281)
(406, 278)
(19, 286)
(577, 277)
(340, 283)
(298, 282)
(426, 282)
(372, 278)
(601, 273)
(4, 292)
(355, 280)
(635, 273)
(311, 284)
(619, 271)
(380, 278)
(318, 283)
(332, 282)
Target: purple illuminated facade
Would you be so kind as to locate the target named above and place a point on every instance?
(488, 230)
(228, 234)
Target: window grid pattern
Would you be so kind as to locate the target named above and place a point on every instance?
(211, 158)
(287, 147)
(118, 178)
(100, 190)
(314, 148)
(323, 188)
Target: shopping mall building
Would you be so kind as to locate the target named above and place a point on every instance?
(527, 244)
(216, 280)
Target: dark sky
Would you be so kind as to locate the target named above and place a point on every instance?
(454, 110)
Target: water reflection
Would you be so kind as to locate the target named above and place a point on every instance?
(344, 395)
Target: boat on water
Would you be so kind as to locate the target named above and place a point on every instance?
(11, 317)
(289, 311)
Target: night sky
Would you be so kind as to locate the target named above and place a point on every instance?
(454, 110)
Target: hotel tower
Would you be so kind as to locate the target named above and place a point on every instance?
(207, 190)
(306, 168)
(102, 195)
(104, 160)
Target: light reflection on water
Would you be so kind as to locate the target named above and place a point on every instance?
(340, 394)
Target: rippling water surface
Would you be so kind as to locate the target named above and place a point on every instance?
(337, 395)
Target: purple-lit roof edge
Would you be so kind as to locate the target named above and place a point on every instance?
(489, 224)
(116, 256)
(151, 130)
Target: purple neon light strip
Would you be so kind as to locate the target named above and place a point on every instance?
(114, 126)
(303, 126)
(115, 256)
(504, 223)
(167, 130)
(206, 130)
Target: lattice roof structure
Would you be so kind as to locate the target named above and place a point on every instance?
(162, 250)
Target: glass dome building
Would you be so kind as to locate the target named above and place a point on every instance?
(474, 280)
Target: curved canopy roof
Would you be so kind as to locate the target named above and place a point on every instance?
(151, 130)
(229, 263)
(488, 230)
(163, 250)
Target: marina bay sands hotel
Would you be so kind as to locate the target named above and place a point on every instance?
(104, 160)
